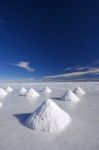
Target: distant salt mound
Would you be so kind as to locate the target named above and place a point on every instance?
(70, 96)
(3, 93)
(79, 92)
(0, 104)
(23, 91)
(47, 90)
(48, 117)
(32, 93)
(9, 89)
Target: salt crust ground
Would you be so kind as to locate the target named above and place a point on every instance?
(81, 134)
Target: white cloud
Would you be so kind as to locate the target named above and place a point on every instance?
(82, 68)
(24, 65)
(78, 72)
(77, 68)
(68, 68)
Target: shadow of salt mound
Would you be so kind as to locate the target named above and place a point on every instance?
(39, 90)
(22, 118)
(21, 95)
(58, 98)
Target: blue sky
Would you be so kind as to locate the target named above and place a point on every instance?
(49, 36)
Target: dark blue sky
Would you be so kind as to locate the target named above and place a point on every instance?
(51, 35)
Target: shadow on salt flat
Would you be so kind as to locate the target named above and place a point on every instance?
(22, 95)
(58, 98)
(22, 118)
(39, 90)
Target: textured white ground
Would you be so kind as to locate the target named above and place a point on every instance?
(81, 134)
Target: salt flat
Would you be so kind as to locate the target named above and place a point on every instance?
(81, 134)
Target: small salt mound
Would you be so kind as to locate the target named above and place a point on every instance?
(0, 104)
(48, 117)
(32, 93)
(70, 96)
(3, 93)
(23, 91)
(47, 90)
(9, 89)
(79, 92)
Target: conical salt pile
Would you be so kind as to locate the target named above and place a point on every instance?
(23, 91)
(32, 93)
(3, 93)
(9, 89)
(0, 104)
(47, 90)
(48, 117)
(79, 92)
(70, 96)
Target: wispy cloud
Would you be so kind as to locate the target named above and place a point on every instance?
(77, 68)
(68, 68)
(79, 71)
(23, 64)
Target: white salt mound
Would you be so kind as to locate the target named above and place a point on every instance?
(48, 117)
(3, 93)
(70, 96)
(47, 90)
(79, 92)
(0, 104)
(23, 91)
(9, 89)
(32, 93)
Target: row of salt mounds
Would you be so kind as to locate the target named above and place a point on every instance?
(9, 89)
(79, 92)
(0, 104)
(32, 93)
(70, 96)
(48, 117)
(3, 93)
(47, 90)
(23, 91)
